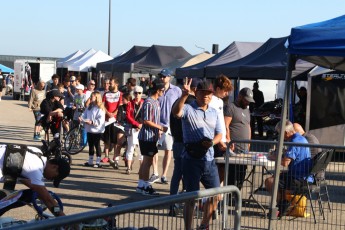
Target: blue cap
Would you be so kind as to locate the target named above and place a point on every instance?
(166, 73)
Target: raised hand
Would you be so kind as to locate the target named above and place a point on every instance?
(186, 86)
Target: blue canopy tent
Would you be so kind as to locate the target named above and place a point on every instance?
(321, 43)
(5, 69)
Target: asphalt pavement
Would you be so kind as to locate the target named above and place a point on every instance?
(86, 188)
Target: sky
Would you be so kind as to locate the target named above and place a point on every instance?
(57, 28)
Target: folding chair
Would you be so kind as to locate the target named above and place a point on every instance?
(320, 163)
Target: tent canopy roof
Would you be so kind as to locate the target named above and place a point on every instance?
(155, 57)
(234, 51)
(108, 65)
(5, 69)
(269, 61)
(322, 43)
(84, 64)
(59, 63)
(85, 55)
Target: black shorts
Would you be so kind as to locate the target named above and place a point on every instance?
(288, 182)
(148, 148)
(109, 135)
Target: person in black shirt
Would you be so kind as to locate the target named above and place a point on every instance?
(176, 132)
(52, 111)
(259, 100)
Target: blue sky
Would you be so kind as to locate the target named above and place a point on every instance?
(57, 28)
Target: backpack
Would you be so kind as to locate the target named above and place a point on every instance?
(13, 164)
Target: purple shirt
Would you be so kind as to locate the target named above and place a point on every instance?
(166, 102)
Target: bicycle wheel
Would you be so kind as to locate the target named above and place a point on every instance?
(73, 141)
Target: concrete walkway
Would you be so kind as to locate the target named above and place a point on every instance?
(86, 188)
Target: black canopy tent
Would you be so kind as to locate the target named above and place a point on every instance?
(267, 62)
(234, 51)
(154, 57)
(108, 65)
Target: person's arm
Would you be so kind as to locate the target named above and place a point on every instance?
(44, 195)
(154, 125)
(31, 100)
(227, 126)
(130, 114)
(177, 109)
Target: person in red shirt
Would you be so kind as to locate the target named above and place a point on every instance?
(112, 99)
(134, 111)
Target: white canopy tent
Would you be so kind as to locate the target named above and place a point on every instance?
(85, 64)
(59, 63)
(85, 55)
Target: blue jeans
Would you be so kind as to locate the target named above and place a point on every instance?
(177, 173)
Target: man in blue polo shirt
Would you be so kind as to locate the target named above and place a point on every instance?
(166, 101)
(297, 159)
(201, 128)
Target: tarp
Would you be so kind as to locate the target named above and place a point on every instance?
(184, 62)
(153, 58)
(269, 61)
(233, 52)
(85, 55)
(85, 64)
(59, 63)
(5, 69)
(322, 43)
(108, 65)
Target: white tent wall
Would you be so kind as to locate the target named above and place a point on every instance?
(91, 61)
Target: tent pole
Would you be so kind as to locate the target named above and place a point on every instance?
(273, 208)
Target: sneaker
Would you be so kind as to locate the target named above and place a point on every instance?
(97, 166)
(139, 190)
(87, 164)
(154, 178)
(164, 180)
(105, 160)
(114, 164)
(149, 191)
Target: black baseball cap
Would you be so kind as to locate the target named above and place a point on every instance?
(205, 85)
(64, 170)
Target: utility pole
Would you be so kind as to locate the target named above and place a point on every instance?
(109, 28)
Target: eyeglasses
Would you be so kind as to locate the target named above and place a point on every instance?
(137, 92)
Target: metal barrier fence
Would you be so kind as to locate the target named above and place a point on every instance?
(152, 213)
(253, 168)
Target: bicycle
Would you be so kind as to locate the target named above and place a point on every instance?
(53, 149)
(74, 141)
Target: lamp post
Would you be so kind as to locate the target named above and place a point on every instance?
(109, 27)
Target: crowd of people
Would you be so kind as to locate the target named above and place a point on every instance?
(191, 124)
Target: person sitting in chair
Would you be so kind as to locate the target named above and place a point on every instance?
(298, 161)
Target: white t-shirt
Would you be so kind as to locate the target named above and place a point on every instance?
(32, 168)
(218, 104)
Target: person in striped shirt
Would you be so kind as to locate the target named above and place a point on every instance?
(149, 135)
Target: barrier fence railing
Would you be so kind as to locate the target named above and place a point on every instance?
(135, 215)
(249, 170)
